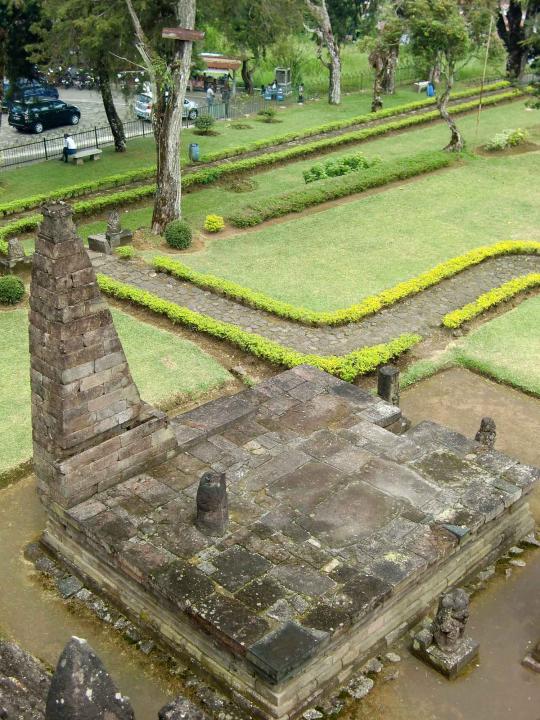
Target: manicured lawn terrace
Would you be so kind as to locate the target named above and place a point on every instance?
(220, 199)
(45, 177)
(507, 348)
(162, 364)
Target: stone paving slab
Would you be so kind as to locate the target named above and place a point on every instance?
(330, 515)
(420, 313)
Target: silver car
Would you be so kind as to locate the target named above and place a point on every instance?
(143, 107)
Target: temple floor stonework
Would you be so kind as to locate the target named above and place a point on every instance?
(331, 531)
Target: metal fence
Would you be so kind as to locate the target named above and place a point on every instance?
(48, 148)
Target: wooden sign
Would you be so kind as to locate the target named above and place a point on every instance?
(182, 34)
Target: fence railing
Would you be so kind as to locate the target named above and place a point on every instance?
(48, 148)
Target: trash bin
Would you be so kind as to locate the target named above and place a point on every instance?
(193, 152)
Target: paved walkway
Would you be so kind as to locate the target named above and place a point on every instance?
(419, 314)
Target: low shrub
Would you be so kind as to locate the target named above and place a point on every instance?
(11, 290)
(506, 139)
(347, 367)
(490, 299)
(125, 252)
(341, 166)
(241, 126)
(353, 313)
(178, 234)
(204, 124)
(214, 223)
(338, 187)
(268, 115)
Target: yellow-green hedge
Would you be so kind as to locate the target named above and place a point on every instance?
(354, 313)
(484, 302)
(346, 367)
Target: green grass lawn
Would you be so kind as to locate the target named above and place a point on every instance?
(219, 198)
(507, 348)
(162, 364)
(52, 175)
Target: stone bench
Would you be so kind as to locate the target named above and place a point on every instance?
(81, 155)
(422, 85)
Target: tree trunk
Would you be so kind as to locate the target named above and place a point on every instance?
(456, 143)
(334, 80)
(247, 76)
(377, 62)
(2, 68)
(512, 31)
(326, 39)
(116, 125)
(388, 84)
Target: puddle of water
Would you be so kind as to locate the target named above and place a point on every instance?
(41, 623)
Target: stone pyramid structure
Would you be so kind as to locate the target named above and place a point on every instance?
(90, 427)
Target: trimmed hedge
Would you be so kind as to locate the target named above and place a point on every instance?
(72, 191)
(11, 290)
(333, 188)
(210, 175)
(347, 367)
(484, 302)
(354, 313)
(178, 234)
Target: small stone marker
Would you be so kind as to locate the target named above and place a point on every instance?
(532, 660)
(388, 384)
(487, 433)
(113, 236)
(81, 688)
(15, 249)
(443, 646)
(212, 504)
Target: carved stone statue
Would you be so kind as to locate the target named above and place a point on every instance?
(113, 224)
(487, 433)
(452, 615)
(15, 249)
(212, 504)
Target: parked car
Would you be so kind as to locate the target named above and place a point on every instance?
(41, 114)
(25, 90)
(143, 107)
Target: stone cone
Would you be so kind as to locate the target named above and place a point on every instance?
(81, 688)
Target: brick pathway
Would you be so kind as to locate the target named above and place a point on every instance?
(421, 313)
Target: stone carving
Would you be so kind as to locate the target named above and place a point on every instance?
(388, 384)
(113, 224)
(81, 688)
(15, 249)
(212, 505)
(449, 624)
(444, 645)
(487, 433)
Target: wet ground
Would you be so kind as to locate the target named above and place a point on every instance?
(505, 618)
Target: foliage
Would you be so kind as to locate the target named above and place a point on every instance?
(178, 234)
(490, 299)
(342, 166)
(347, 367)
(240, 126)
(214, 223)
(125, 252)
(506, 139)
(354, 313)
(11, 289)
(337, 187)
(268, 115)
(204, 124)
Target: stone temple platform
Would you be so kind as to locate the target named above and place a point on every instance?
(341, 531)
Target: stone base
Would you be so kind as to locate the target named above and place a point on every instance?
(529, 662)
(106, 244)
(451, 663)
(340, 533)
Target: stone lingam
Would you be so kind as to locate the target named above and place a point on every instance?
(113, 237)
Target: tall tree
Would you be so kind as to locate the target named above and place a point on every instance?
(444, 33)
(518, 25)
(95, 30)
(252, 26)
(168, 64)
(383, 53)
(336, 21)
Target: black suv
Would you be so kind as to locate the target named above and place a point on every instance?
(42, 113)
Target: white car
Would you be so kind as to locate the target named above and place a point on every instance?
(143, 107)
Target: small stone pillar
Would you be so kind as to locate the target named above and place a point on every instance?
(388, 384)
(487, 433)
(212, 505)
(113, 237)
(15, 250)
(444, 646)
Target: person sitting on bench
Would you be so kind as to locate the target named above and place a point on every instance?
(70, 148)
